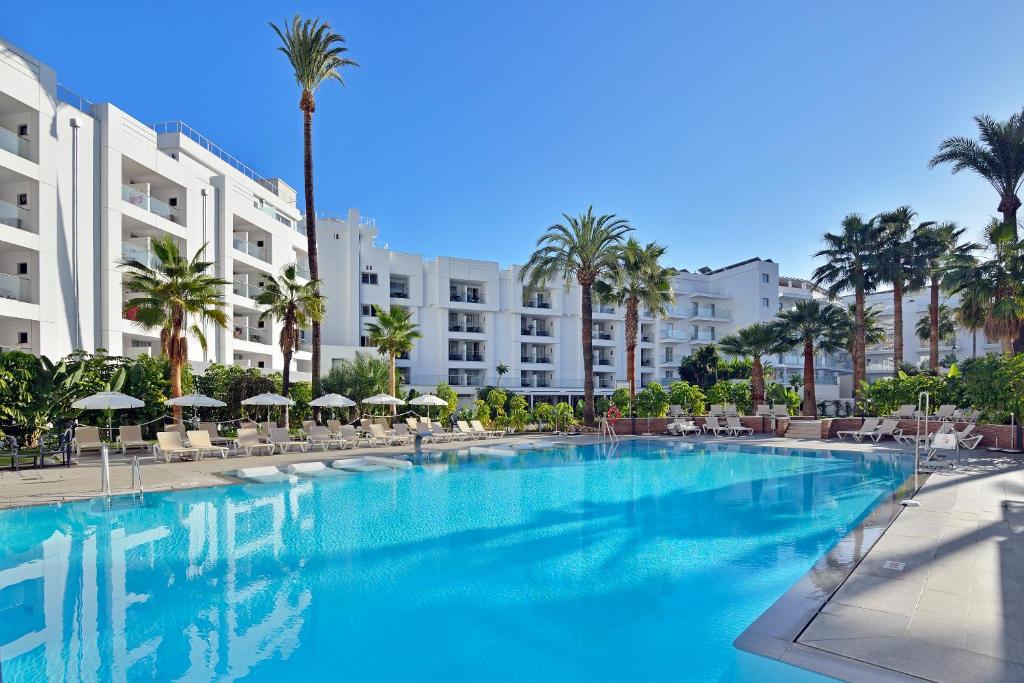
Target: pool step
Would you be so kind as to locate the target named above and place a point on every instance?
(804, 429)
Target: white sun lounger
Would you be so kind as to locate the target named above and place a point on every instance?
(711, 424)
(283, 441)
(248, 440)
(200, 440)
(265, 475)
(312, 469)
(736, 427)
(867, 428)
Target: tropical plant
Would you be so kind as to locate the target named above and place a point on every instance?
(874, 331)
(937, 242)
(884, 396)
(796, 381)
(444, 391)
(732, 392)
(779, 395)
(564, 416)
(393, 334)
(363, 376)
(849, 255)
(994, 284)
(687, 396)
(700, 367)
(638, 280)
(581, 249)
(997, 156)
(167, 295)
(947, 325)
(817, 327)
(295, 305)
(502, 370)
(622, 400)
(652, 401)
(899, 261)
(544, 413)
(756, 341)
(970, 314)
(317, 55)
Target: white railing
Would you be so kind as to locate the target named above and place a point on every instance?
(134, 252)
(69, 96)
(14, 216)
(214, 149)
(14, 143)
(14, 287)
(253, 334)
(137, 197)
(243, 288)
(241, 244)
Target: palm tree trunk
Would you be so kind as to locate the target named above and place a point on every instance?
(307, 107)
(175, 364)
(286, 373)
(632, 316)
(974, 343)
(391, 378)
(1008, 207)
(859, 372)
(933, 325)
(756, 380)
(810, 407)
(897, 326)
(587, 314)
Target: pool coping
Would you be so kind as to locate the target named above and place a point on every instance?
(775, 632)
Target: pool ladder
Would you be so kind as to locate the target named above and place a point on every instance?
(608, 430)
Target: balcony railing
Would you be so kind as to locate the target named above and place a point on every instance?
(606, 309)
(134, 252)
(678, 335)
(536, 303)
(302, 269)
(243, 288)
(603, 336)
(399, 293)
(702, 337)
(539, 359)
(603, 361)
(716, 312)
(646, 363)
(14, 143)
(137, 197)
(454, 327)
(14, 216)
(241, 244)
(14, 287)
(253, 334)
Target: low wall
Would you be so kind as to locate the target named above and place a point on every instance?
(656, 425)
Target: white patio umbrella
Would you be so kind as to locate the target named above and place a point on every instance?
(196, 401)
(428, 400)
(384, 400)
(269, 400)
(332, 401)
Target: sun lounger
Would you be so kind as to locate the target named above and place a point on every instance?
(467, 431)
(176, 427)
(682, 427)
(283, 441)
(200, 440)
(400, 433)
(86, 439)
(248, 441)
(779, 410)
(215, 438)
(170, 443)
(439, 433)
(715, 410)
(867, 428)
(907, 411)
(380, 436)
(130, 436)
(925, 439)
(736, 427)
(479, 428)
(318, 435)
(247, 424)
(966, 437)
(888, 428)
(945, 412)
(308, 425)
(729, 409)
(763, 410)
(712, 425)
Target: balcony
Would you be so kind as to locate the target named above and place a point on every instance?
(243, 288)
(15, 288)
(604, 308)
(536, 303)
(399, 292)
(14, 143)
(467, 293)
(139, 254)
(243, 245)
(673, 335)
(602, 336)
(544, 360)
(252, 334)
(603, 361)
(646, 362)
(455, 327)
(301, 269)
(14, 216)
(702, 337)
(138, 198)
(710, 313)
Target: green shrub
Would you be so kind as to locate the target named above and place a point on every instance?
(652, 401)
(778, 394)
(688, 396)
(884, 396)
(732, 392)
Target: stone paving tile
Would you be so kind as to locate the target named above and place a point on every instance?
(876, 593)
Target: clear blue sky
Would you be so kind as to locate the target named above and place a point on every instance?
(725, 131)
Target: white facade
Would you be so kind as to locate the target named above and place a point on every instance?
(84, 185)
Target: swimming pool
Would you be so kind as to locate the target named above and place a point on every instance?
(636, 562)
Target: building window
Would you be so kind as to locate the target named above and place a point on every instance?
(23, 130)
(23, 337)
(364, 341)
(22, 199)
(367, 310)
(766, 303)
(369, 278)
(23, 268)
(336, 362)
(764, 278)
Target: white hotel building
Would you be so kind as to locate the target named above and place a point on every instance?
(83, 185)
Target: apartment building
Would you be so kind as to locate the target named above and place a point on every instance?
(961, 344)
(84, 185)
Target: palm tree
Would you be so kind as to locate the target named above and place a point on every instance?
(936, 242)
(819, 327)
(898, 261)
(296, 305)
(502, 370)
(756, 341)
(874, 331)
(995, 284)
(583, 248)
(638, 280)
(167, 294)
(947, 326)
(317, 55)
(970, 315)
(998, 157)
(850, 255)
(393, 334)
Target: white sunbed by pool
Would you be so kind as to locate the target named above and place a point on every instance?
(370, 463)
(492, 451)
(313, 469)
(265, 475)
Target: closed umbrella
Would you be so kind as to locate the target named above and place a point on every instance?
(428, 400)
(269, 400)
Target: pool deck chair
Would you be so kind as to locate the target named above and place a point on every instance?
(440, 434)
(763, 410)
(86, 439)
(467, 431)
(479, 428)
(334, 426)
(730, 410)
(248, 441)
(169, 443)
(867, 428)
(351, 435)
(712, 425)
(736, 427)
(966, 437)
(401, 433)
(780, 410)
(890, 428)
(682, 427)
(283, 441)
(318, 435)
(200, 440)
(215, 438)
(382, 437)
(130, 436)
(907, 411)
(715, 410)
(945, 412)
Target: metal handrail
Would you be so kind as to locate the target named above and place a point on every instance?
(215, 149)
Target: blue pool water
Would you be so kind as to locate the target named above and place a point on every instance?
(571, 564)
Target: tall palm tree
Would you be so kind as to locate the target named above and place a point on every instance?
(296, 305)
(756, 341)
(898, 261)
(994, 283)
(849, 255)
(819, 327)
(970, 315)
(639, 280)
(874, 331)
(581, 249)
(936, 242)
(169, 293)
(998, 157)
(317, 55)
(393, 334)
(947, 325)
